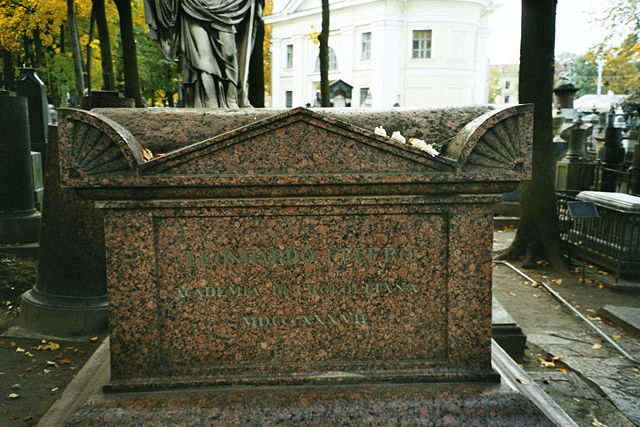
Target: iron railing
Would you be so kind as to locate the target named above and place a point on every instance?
(611, 241)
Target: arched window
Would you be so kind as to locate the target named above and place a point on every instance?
(333, 62)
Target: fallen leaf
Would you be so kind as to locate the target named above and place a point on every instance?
(147, 154)
(14, 396)
(12, 344)
(46, 371)
(521, 381)
(50, 363)
(30, 368)
(20, 350)
(546, 364)
(597, 423)
(29, 354)
(512, 294)
(616, 336)
(93, 339)
(564, 371)
(80, 353)
(14, 417)
(557, 281)
(596, 346)
(55, 389)
(546, 381)
(558, 357)
(50, 346)
(27, 418)
(65, 361)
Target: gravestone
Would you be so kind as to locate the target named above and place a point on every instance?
(32, 87)
(19, 221)
(69, 297)
(299, 249)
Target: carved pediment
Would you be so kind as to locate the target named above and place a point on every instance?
(297, 142)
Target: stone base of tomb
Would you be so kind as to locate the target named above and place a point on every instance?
(377, 404)
(479, 403)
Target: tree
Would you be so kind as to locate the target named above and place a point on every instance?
(325, 96)
(266, 48)
(158, 77)
(621, 71)
(494, 84)
(537, 234)
(129, 57)
(75, 47)
(579, 69)
(108, 81)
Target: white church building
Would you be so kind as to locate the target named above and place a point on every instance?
(411, 53)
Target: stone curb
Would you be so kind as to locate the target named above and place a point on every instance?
(518, 379)
(87, 382)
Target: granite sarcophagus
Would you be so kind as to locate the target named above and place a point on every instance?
(297, 246)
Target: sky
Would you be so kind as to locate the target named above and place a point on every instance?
(576, 28)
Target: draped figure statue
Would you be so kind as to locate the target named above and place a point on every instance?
(215, 38)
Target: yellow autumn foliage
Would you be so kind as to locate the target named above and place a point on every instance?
(19, 18)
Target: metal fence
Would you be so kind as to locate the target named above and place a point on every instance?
(611, 241)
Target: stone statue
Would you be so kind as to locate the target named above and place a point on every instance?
(215, 38)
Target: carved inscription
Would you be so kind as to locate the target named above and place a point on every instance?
(291, 256)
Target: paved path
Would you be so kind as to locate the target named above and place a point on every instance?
(591, 381)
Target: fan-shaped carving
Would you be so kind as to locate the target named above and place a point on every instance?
(93, 152)
(498, 148)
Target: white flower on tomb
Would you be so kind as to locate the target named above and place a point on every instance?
(380, 131)
(397, 136)
(420, 144)
(431, 150)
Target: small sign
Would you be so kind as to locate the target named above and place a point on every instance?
(582, 210)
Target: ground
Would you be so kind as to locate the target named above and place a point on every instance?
(33, 372)
(583, 373)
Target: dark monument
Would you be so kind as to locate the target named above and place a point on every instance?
(105, 98)
(19, 220)
(575, 172)
(69, 298)
(299, 251)
(33, 88)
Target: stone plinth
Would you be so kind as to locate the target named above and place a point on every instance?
(69, 298)
(19, 220)
(296, 248)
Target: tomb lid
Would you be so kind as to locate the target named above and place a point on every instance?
(619, 201)
(294, 152)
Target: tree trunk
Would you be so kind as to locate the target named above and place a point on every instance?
(90, 52)
(108, 81)
(61, 38)
(537, 235)
(256, 69)
(37, 45)
(129, 58)
(8, 72)
(75, 48)
(323, 38)
(28, 57)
